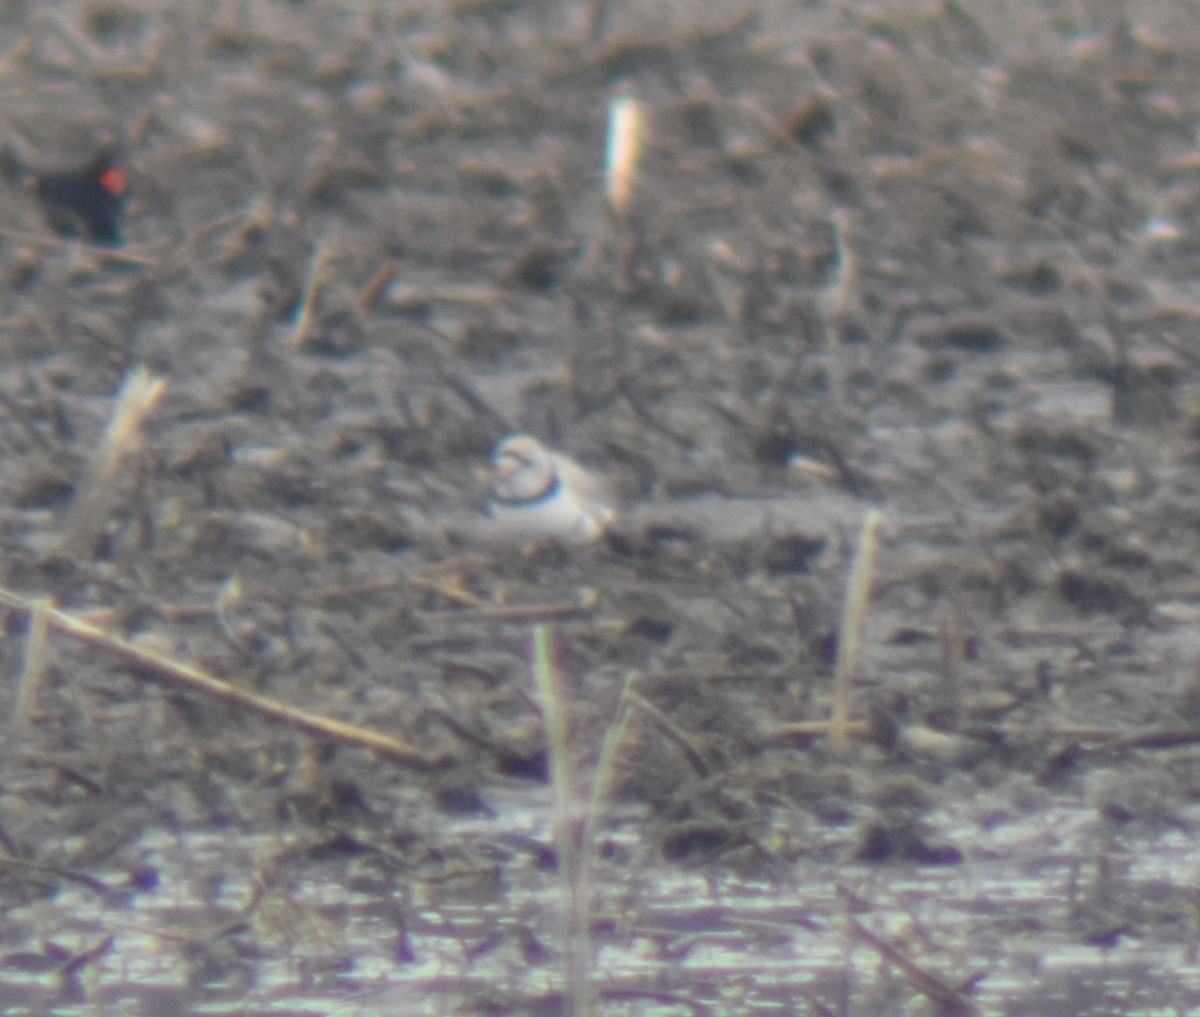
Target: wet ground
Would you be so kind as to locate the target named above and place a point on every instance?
(933, 258)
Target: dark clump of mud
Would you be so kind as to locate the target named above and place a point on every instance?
(931, 258)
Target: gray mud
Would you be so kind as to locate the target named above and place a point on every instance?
(931, 258)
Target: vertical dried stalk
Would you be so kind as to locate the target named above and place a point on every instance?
(95, 493)
(596, 25)
(304, 315)
(951, 644)
(577, 944)
(854, 613)
(606, 768)
(379, 282)
(835, 301)
(626, 129)
(36, 652)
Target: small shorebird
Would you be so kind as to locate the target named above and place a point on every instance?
(539, 493)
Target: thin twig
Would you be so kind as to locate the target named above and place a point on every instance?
(814, 729)
(948, 998)
(524, 612)
(370, 294)
(124, 256)
(451, 589)
(673, 732)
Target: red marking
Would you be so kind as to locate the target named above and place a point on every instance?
(113, 180)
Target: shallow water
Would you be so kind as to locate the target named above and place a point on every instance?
(666, 940)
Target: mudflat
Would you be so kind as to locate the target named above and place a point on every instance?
(936, 260)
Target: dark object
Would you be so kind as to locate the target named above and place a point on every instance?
(903, 842)
(86, 202)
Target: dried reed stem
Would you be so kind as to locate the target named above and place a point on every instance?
(606, 767)
(34, 669)
(854, 613)
(949, 1000)
(304, 315)
(94, 495)
(578, 995)
(626, 131)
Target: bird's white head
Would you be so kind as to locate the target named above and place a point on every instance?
(524, 470)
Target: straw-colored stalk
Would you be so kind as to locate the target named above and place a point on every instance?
(626, 133)
(854, 613)
(138, 395)
(951, 641)
(606, 768)
(596, 22)
(576, 893)
(837, 300)
(37, 648)
(308, 303)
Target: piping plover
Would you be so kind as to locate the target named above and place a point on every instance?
(539, 493)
